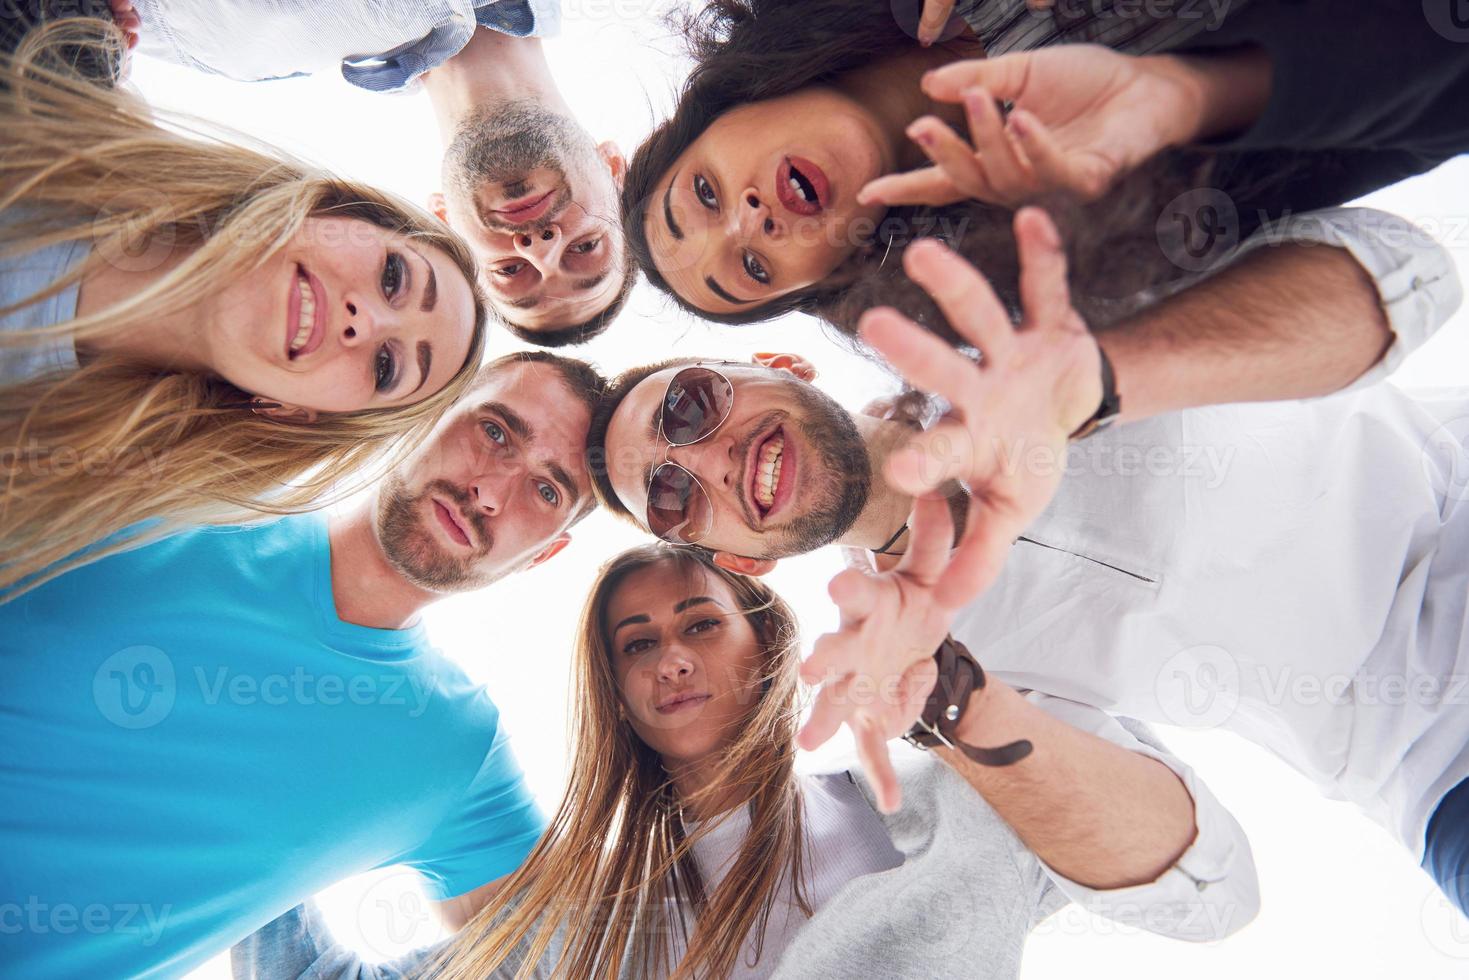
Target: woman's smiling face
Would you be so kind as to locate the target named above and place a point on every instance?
(347, 316)
(764, 202)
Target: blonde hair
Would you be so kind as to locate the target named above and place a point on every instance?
(87, 453)
(615, 868)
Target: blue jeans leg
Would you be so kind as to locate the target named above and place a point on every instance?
(1446, 848)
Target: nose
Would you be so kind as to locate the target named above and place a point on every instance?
(541, 248)
(675, 664)
(491, 492)
(713, 461)
(753, 216)
(360, 325)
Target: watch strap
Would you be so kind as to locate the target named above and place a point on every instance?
(959, 676)
(1111, 405)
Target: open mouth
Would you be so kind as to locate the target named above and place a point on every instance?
(527, 209)
(305, 309)
(452, 524)
(772, 472)
(802, 186)
(689, 700)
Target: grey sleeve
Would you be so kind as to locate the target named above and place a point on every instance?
(298, 946)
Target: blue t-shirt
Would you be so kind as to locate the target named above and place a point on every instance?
(191, 742)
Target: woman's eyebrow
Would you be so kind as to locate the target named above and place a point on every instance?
(632, 621)
(724, 294)
(673, 228)
(697, 600)
(430, 284)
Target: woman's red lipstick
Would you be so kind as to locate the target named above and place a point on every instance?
(802, 187)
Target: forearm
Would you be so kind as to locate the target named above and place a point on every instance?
(1097, 813)
(1295, 321)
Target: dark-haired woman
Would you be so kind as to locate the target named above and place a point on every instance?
(687, 845)
(747, 203)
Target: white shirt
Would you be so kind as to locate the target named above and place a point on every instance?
(1295, 572)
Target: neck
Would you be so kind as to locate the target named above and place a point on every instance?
(890, 91)
(692, 778)
(493, 67)
(887, 507)
(174, 339)
(366, 589)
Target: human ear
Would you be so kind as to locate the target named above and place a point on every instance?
(266, 408)
(615, 161)
(790, 363)
(742, 565)
(438, 206)
(562, 540)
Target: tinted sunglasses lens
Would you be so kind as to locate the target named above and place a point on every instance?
(697, 400)
(677, 509)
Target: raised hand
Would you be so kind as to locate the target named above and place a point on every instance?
(877, 670)
(1082, 116)
(1005, 436)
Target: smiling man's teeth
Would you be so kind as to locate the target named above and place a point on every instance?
(308, 314)
(768, 476)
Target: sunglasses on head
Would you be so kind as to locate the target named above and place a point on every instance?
(697, 402)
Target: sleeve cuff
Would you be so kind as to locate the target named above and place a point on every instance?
(1417, 282)
(1209, 893)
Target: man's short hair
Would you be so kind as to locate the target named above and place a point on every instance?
(580, 333)
(585, 383)
(613, 395)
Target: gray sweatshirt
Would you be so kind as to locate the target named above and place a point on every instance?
(961, 903)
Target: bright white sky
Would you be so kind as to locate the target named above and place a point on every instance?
(1341, 899)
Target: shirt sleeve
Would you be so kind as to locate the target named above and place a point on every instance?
(1388, 76)
(488, 834)
(397, 70)
(1210, 892)
(1416, 279)
(299, 944)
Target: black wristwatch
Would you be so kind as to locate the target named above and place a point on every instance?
(960, 675)
(1111, 405)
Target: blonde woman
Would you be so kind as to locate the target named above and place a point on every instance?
(196, 331)
(687, 844)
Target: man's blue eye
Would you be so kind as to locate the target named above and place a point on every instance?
(549, 494)
(495, 432)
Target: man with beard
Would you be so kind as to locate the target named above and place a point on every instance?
(199, 734)
(1187, 567)
(529, 188)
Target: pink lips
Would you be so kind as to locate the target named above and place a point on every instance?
(681, 701)
(527, 208)
(450, 523)
(293, 314)
(812, 175)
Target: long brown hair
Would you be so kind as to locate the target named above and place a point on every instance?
(87, 453)
(615, 870)
(748, 51)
